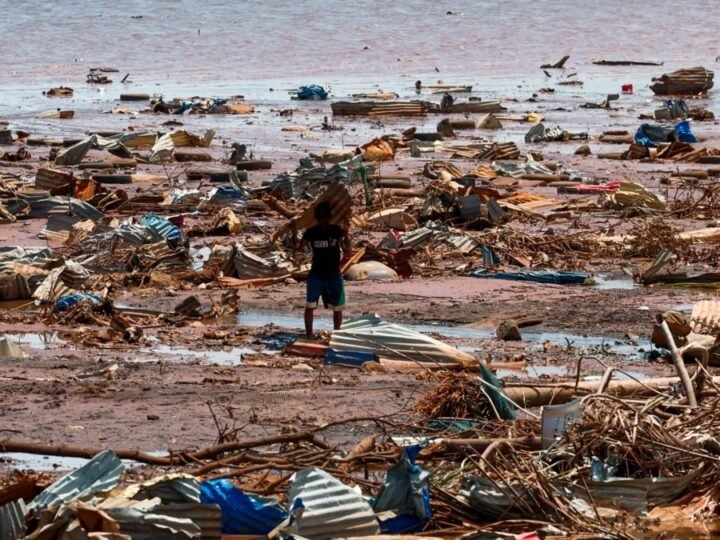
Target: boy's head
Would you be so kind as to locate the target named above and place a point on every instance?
(323, 213)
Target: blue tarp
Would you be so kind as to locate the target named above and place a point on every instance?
(684, 133)
(649, 135)
(228, 193)
(66, 301)
(312, 92)
(242, 513)
(202, 106)
(406, 493)
(556, 277)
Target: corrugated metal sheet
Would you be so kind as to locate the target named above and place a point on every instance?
(370, 333)
(75, 153)
(249, 265)
(74, 275)
(51, 287)
(59, 226)
(150, 526)
(184, 138)
(310, 180)
(378, 108)
(417, 237)
(161, 226)
(464, 244)
(331, 509)
(14, 287)
(102, 473)
(137, 139)
(206, 516)
(705, 318)
(638, 494)
(42, 206)
(12, 520)
(50, 178)
(162, 150)
(171, 489)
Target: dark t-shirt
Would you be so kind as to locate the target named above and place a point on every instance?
(326, 250)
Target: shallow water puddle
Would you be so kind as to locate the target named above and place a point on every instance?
(255, 319)
(614, 282)
(38, 340)
(45, 463)
(231, 357)
(536, 372)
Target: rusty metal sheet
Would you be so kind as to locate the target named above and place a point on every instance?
(185, 138)
(50, 178)
(14, 287)
(250, 266)
(705, 318)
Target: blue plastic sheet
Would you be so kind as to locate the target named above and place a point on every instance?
(406, 493)
(66, 301)
(649, 135)
(242, 513)
(200, 106)
(554, 277)
(312, 92)
(684, 133)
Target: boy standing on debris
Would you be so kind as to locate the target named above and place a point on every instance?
(325, 279)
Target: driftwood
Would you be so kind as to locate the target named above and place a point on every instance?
(625, 63)
(557, 65)
(177, 458)
(679, 363)
(534, 396)
(480, 445)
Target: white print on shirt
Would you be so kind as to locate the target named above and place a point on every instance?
(325, 243)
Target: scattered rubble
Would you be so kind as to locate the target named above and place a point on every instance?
(468, 228)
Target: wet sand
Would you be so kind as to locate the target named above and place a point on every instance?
(495, 47)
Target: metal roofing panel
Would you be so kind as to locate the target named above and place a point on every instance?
(331, 508)
(100, 474)
(417, 237)
(463, 243)
(185, 138)
(14, 287)
(206, 516)
(51, 287)
(248, 265)
(50, 178)
(370, 333)
(43, 206)
(12, 520)
(151, 526)
(705, 318)
(171, 489)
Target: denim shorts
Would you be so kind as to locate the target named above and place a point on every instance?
(330, 289)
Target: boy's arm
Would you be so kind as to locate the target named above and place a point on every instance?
(345, 242)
